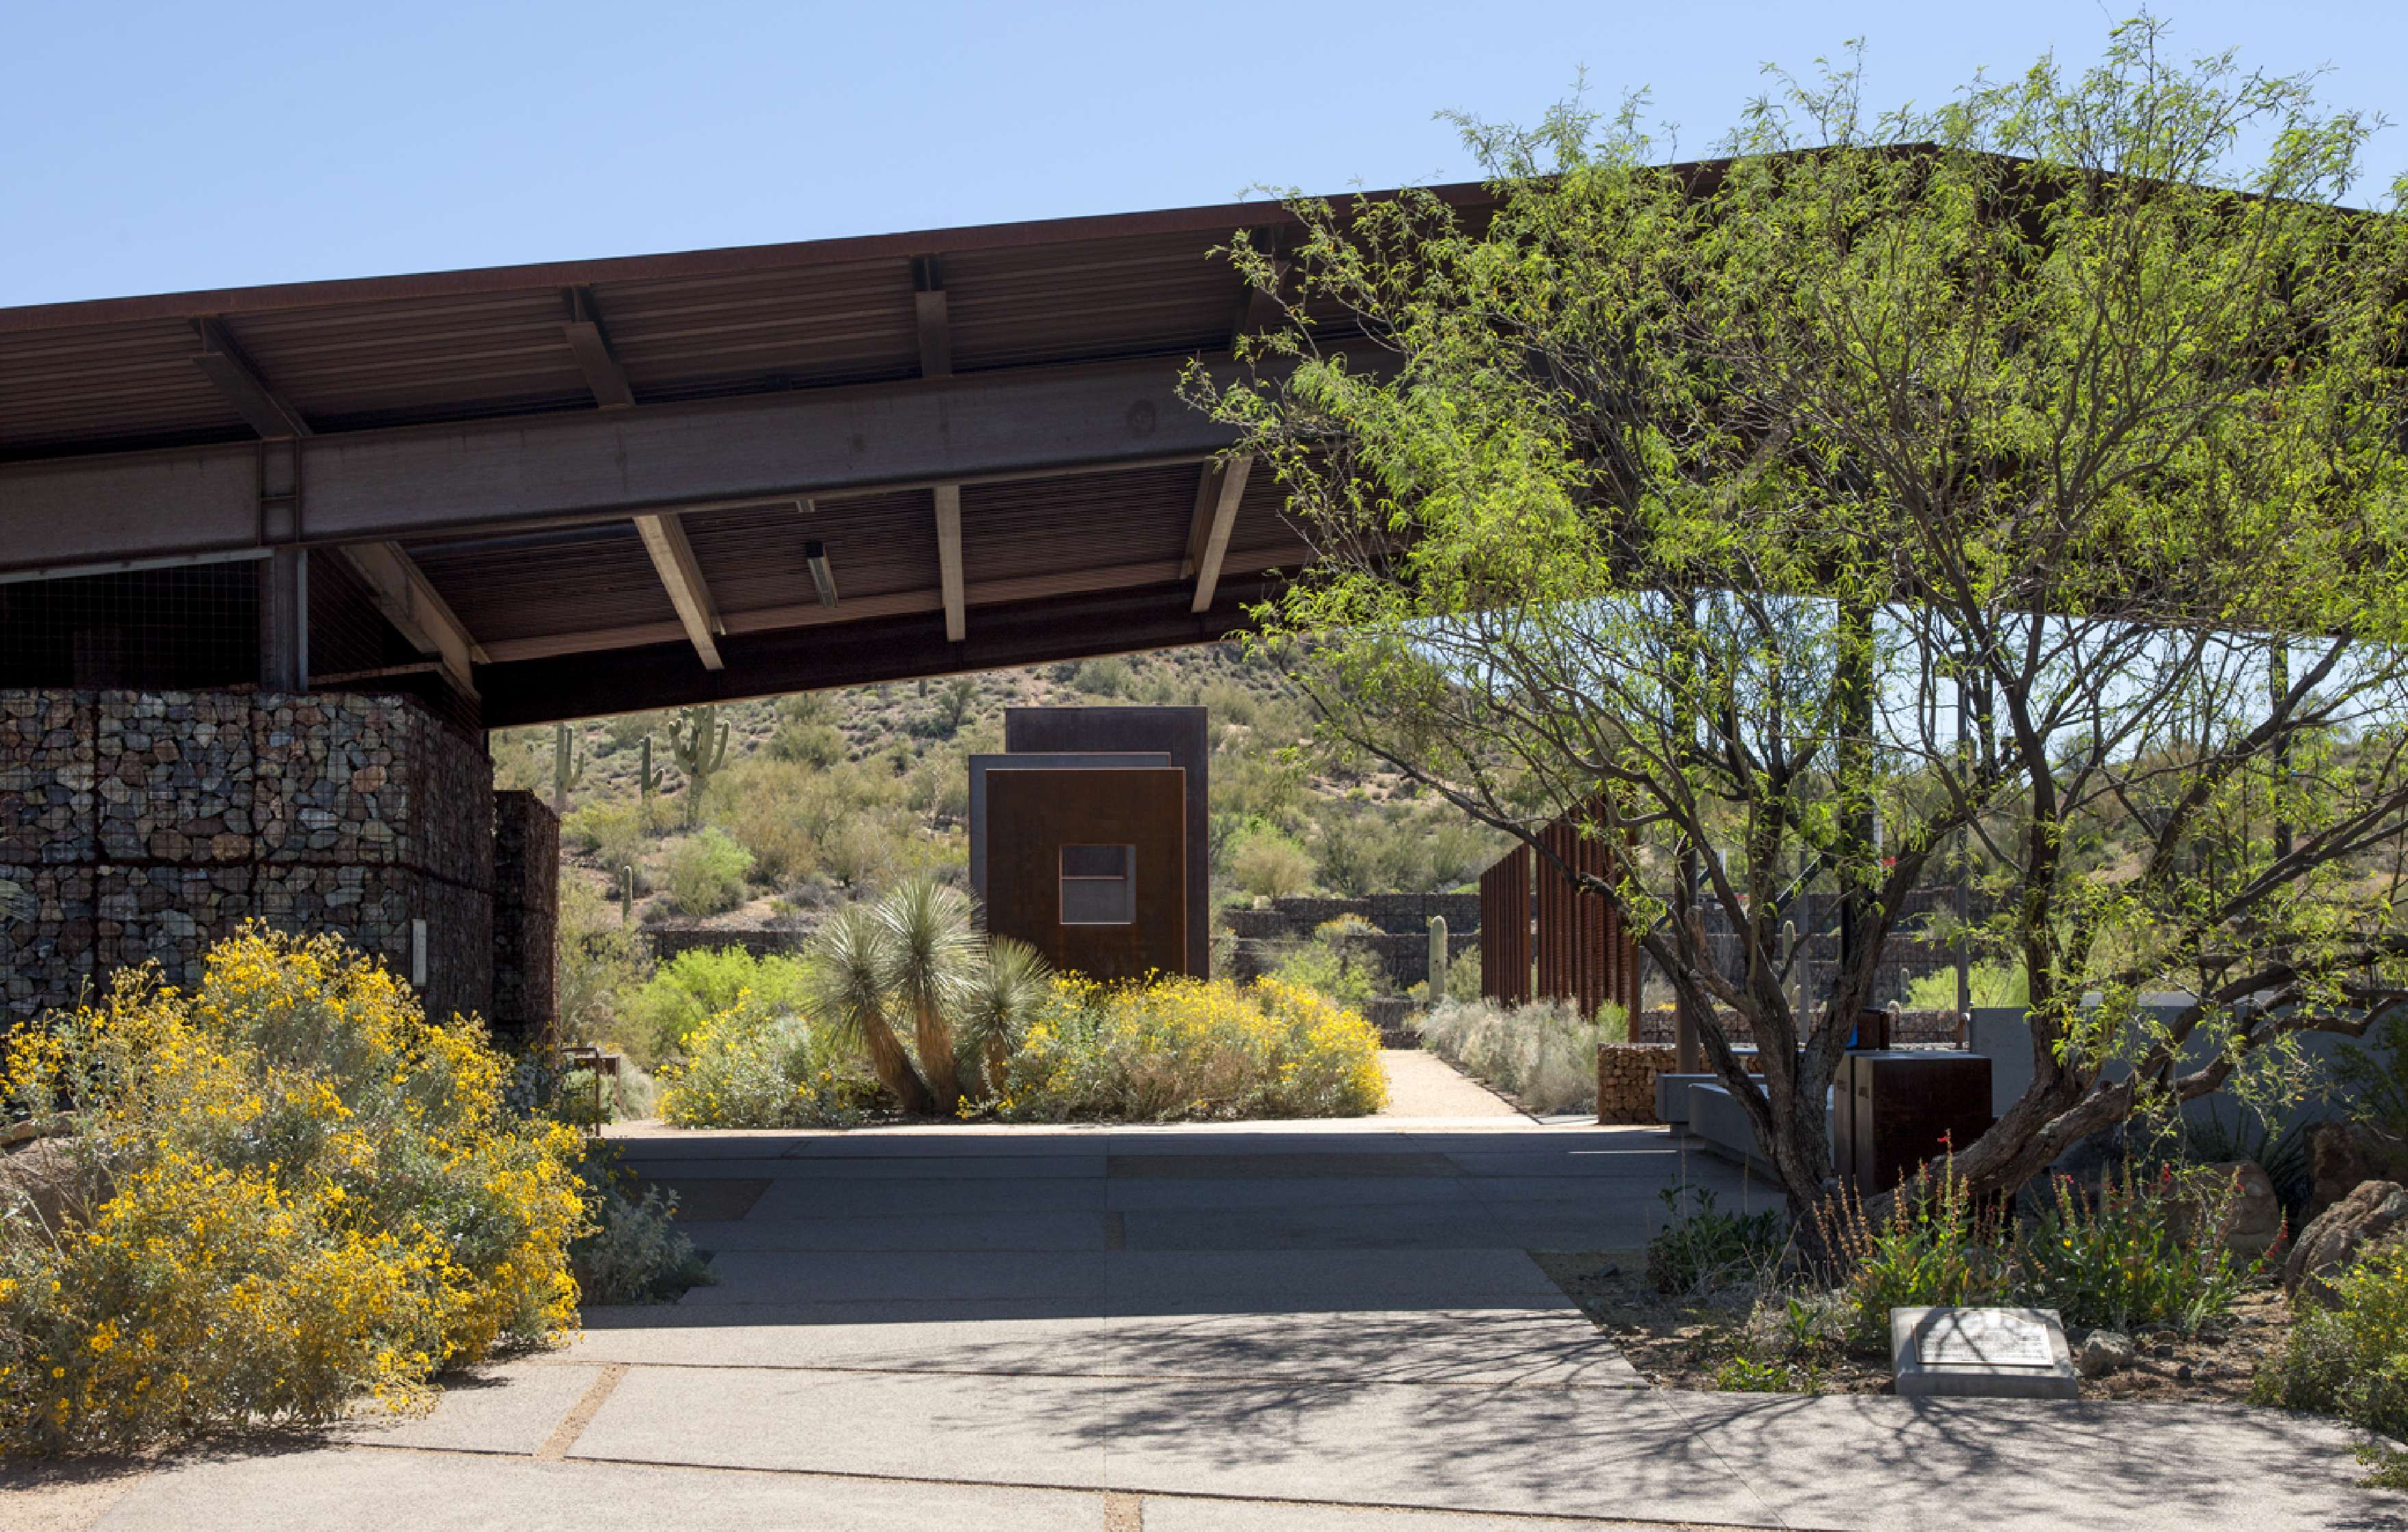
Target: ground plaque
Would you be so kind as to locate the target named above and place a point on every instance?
(2000, 1353)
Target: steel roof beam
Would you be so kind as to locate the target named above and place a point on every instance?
(267, 412)
(1225, 486)
(673, 558)
(949, 560)
(604, 377)
(522, 472)
(411, 604)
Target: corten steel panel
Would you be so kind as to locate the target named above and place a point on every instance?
(1505, 929)
(1031, 815)
(1900, 1109)
(1181, 732)
(980, 765)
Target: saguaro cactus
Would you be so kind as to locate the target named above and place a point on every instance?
(626, 893)
(698, 755)
(1437, 960)
(568, 767)
(647, 782)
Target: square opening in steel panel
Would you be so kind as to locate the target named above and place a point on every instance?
(1098, 885)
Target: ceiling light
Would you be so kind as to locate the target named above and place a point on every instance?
(823, 577)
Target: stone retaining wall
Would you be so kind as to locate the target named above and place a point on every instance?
(1625, 1080)
(140, 826)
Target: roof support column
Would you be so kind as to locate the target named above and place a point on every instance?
(284, 620)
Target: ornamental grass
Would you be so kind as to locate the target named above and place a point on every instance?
(277, 1194)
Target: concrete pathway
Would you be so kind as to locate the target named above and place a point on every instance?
(1274, 1326)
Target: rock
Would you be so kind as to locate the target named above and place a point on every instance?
(2336, 1236)
(2343, 1156)
(2251, 1223)
(2103, 1351)
(55, 1180)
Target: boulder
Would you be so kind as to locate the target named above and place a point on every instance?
(2343, 1156)
(2103, 1351)
(2253, 1221)
(55, 1182)
(2339, 1235)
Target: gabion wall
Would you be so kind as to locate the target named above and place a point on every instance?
(142, 826)
(526, 921)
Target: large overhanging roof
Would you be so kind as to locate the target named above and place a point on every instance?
(592, 485)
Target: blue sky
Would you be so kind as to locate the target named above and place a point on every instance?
(149, 148)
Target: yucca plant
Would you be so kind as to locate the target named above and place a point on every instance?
(848, 971)
(1001, 997)
(927, 957)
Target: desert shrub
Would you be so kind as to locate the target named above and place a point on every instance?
(1270, 864)
(612, 834)
(747, 1069)
(2116, 1259)
(1543, 1052)
(1107, 675)
(2376, 1077)
(632, 1251)
(664, 1012)
(1701, 1247)
(596, 960)
(706, 872)
(2351, 1360)
(1182, 1048)
(314, 1193)
(816, 745)
(1336, 962)
(778, 811)
(1933, 1245)
(1991, 983)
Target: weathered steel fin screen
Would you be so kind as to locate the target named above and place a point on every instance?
(1583, 950)
(1505, 929)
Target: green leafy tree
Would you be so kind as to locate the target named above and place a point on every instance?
(2022, 475)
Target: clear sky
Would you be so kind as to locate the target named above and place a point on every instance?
(157, 146)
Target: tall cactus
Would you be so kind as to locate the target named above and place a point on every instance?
(568, 767)
(697, 753)
(647, 782)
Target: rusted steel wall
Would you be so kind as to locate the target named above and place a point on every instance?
(1505, 929)
(1585, 956)
(1033, 814)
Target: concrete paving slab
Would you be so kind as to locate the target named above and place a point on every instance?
(1020, 1231)
(1446, 1226)
(1318, 1281)
(958, 1337)
(1339, 1192)
(1538, 1347)
(1872, 1463)
(763, 1276)
(1592, 1451)
(1178, 1513)
(817, 1196)
(508, 1408)
(369, 1490)
(880, 1310)
(1013, 1430)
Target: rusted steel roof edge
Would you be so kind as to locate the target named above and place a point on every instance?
(736, 259)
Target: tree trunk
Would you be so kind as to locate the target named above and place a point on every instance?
(935, 1043)
(893, 1067)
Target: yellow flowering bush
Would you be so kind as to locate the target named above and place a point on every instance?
(1179, 1048)
(302, 1191)
(745, 1069)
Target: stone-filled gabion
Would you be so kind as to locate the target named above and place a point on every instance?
(138, 826)
(526, 919)
(1625, 1080)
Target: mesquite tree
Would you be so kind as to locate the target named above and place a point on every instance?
(2025, 476)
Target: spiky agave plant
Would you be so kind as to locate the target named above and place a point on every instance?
(929, 956)
(849, 992)
(1002, 996)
